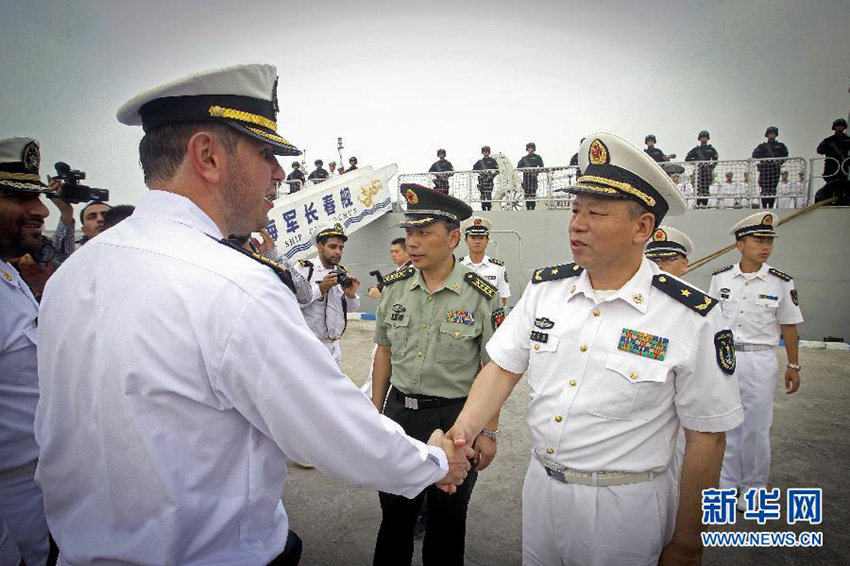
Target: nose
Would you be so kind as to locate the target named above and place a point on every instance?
(278, 173)
(36, 208)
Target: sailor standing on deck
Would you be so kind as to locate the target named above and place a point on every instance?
(617, 354)
(669, 248)
(334, 290)
(476, 232)
(759, 303)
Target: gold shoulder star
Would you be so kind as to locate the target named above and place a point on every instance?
(555, 271)
(686, 293)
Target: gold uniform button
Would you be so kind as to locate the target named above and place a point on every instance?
(747, 283)
(550, 451)
(742, 312)
(596, 312)
(430, 298)
(572, 383)
(537, 346)
(415, 382)
(425, 325)
(418, 354)
(633, 375)
(457, 334)
(573, 289)
(558, 418)
(583, 348)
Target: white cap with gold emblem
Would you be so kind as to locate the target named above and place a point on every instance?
(243, 96)
(20, 159)
(334, 230)
(668, 242)
(759, 225)
(476, 226)
(613, 167)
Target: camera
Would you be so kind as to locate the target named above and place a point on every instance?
(377, 275)
(72, 191)
(343, 278)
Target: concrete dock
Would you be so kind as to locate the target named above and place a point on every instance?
(338, 521)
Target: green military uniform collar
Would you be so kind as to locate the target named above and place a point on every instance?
(452, 283)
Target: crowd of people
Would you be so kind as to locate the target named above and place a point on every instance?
(153, 394)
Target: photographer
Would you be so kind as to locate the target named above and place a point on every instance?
(69, 191)
(334, 290)
(398, 253)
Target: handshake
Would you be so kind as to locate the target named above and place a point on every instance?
(464, 455)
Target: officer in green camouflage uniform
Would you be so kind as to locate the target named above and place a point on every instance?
(432, 325)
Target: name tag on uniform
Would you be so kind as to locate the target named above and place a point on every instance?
(461, 317)
(491, 277)
(539, 336)
(643, 344)
(396, 316)
(768, 297)
(724, 293)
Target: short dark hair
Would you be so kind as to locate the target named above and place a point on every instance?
(441, 151)
(399, 242)
(86, 207)
(116, 214)
(162, 149)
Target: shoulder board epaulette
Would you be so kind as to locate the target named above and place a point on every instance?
(399, 275)
(305, 263)
(781, 275)
(689, 296)
(279, 270)
(556, 272)
(722, 269)
(497, 261)
(480, 284)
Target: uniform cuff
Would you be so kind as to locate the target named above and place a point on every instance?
(717, 423)
(505, 362)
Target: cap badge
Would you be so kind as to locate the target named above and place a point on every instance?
(477, 222)
(598, 153)
(31, 157)
(411, 197)
(659, 236)
(768, 219)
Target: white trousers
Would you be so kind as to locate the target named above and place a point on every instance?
(335, 350)
(577, 525)
(746, 463)
(22, 508)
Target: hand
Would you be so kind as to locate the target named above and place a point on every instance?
(678, 554)
(267, 243)
(485, 450)
(374, 293)
(458, 458)
(351, 291)
(792, 381)
(328, 282)
(34, 274)
(66, 211)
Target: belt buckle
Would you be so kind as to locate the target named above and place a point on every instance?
(411, 403)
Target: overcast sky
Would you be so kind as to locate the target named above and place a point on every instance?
(398, 80)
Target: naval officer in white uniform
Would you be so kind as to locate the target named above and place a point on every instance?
(23, 528)
(618, 354)
(476, 231)
(760, 304)
(177, 373)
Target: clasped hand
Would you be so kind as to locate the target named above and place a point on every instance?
(459, 461)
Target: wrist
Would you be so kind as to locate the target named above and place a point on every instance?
(796, 367)
(491, 434)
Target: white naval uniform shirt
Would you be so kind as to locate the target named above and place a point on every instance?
(176, 380)
(597, 408)
(324, 315)
(18, 370)
(496, 275)
(754, 305)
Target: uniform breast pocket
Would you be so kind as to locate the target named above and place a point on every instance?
(457, 343)
(630, 388)
(766, 308)
(27, 368)
(541, 362)
(397, 334)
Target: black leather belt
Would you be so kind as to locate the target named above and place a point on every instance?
(416, 402)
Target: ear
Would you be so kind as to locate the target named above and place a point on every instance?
(454, 238)
(739, 244)
(645, 227)
(206, 157)
(686, 262)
